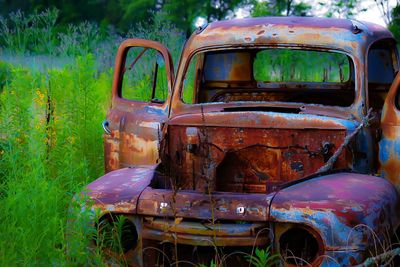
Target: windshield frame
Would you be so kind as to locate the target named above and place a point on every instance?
(354, 110)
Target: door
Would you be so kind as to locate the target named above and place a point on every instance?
(389, 145)
(141, 94)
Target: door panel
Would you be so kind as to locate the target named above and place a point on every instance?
(389, 145)
(140, 104)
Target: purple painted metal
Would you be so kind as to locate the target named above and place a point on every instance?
(349, 211)
(118, 191)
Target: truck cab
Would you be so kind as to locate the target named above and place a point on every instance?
(275, 132)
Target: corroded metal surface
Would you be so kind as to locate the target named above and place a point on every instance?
(198, 205)
(389, 153)
(346, 223)
(237, 166)
(239, 158)
(135, 126)
(205, 234)
(345, 220)
(118, 191)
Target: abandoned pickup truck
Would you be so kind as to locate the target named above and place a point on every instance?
(275, 133)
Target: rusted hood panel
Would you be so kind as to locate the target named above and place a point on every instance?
(251, 152)
(338, 204)
(118, 191)
(256, 119)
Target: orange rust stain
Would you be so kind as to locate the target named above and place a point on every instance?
(392, 170)
(113, 161)
(115, 134)
(307, 211)
(390, 132)
(239, 72)
(136, 150)
(391, 117)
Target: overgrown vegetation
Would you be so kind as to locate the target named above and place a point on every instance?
(50, 147)
(50, 133)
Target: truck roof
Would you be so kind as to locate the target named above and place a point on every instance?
(343, 34)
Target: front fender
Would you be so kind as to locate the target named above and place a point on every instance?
(347, 210)
(118, 191)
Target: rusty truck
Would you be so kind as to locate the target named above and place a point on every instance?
(276, 133)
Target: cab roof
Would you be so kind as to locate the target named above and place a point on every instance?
(343, 34)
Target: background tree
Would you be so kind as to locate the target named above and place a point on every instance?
(120, 13)
(280, 8)
(384, 8)
(342, 8)
(184, 13)
(394, 25)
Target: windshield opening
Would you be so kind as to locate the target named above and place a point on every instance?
(270, 75)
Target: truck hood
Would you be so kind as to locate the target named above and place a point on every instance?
(258, 119)
(251, 152)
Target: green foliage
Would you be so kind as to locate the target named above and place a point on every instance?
(160, 29)
(212, 264)
(50, 146)
(39, 33)
(5, 74)
(35, 32)
(263, 258)
(342, 8)
(182, 13)
(79, 39)
(135, 12)
(394, 26)
(283, 65)
(121, 14)
(125, 14)
(51, 139)
(280, 8)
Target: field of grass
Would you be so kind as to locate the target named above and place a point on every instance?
(50, 147)
(55, 88)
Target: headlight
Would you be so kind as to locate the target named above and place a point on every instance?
(299, 246)
(116, 233)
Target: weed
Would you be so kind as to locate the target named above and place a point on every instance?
(263, 258)
(25, 33)
(5, 74)
(212, 264)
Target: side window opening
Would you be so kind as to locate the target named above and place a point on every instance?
(193, 80)
(382, 68)
(144, 76)
(275, 74)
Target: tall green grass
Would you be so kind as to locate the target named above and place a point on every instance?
(50, 147)
(55, 88)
